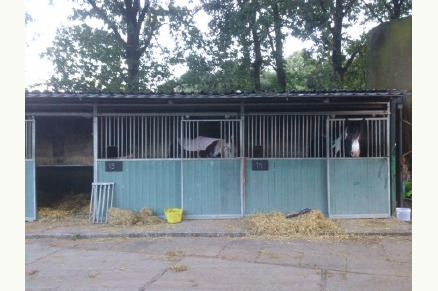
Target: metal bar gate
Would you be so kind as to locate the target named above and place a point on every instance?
(101, 201)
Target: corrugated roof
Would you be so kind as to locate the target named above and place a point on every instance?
(233, 95)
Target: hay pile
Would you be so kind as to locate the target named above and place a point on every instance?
(275, 223)
(66, 207)
(50, 213)
(145, 216)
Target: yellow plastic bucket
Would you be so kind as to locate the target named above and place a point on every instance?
(173, 215)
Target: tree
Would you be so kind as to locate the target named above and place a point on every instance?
(255, 29)
(276, 43)
(324, 22)
(27, 18)
(307, 73)
(355, 77)
(384, 10)
(230, 75)
(125, 42)
(86, 59)
(236, 32)
(300, 68)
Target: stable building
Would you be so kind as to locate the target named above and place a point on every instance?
(219, 155)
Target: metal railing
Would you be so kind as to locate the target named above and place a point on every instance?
(102, 195)
(137, 137)
(285, 136)
(374, 138)
(213, 138)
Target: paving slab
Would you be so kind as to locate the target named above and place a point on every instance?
(73, 268)
(213, 274)
(217, 263)
(339, 281)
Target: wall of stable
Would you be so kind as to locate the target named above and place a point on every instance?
(227, 188)
(222, 188)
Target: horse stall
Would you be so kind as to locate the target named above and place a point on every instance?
(230, 155)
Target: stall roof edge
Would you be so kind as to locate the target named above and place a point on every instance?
(392, 93)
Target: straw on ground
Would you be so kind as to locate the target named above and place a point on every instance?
(275, 223)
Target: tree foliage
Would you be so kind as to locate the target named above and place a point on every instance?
(127, 49)
(254, 30)
(86, 59)
(235, 32)
(304, 72)
(120, 45)
(203, 75)
(325, 23)
(384, 10)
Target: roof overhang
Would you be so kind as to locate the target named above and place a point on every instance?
(89, 103)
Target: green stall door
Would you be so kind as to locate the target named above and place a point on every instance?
(286, 185)
(359, 188)
(211, 188)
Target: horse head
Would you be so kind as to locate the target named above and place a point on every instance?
(355, 136)
(224, 149)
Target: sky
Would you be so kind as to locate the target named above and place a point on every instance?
(40, 33)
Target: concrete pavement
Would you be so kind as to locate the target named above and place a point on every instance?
(216, 255)
(218, 263)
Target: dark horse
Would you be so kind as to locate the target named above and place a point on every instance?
(356, 138)
(353, 141)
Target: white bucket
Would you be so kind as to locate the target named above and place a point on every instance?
(403, 213)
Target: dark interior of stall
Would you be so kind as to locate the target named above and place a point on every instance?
(64, 162)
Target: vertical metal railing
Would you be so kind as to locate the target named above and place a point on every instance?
(336, 138)
(138, 136)
(193, 132)
(376, 137)
(102, 195)
(285, 136)
(265, 136)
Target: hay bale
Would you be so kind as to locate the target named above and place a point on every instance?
(275, 223)
(146, 212)
(147, 217)
(117, 216)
